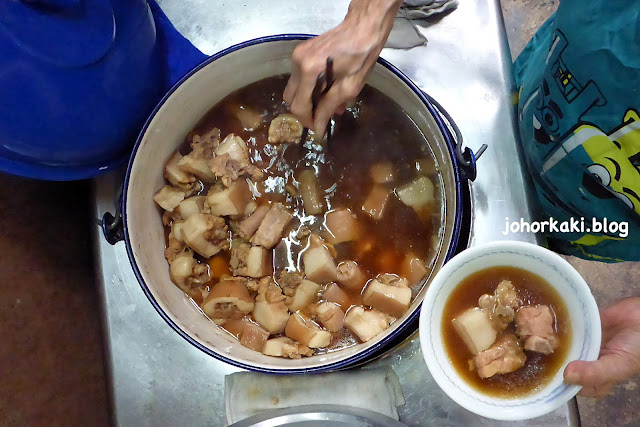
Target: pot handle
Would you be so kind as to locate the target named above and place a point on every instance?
(466, 158)
(112, 224)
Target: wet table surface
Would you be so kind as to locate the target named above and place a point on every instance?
(156, 377)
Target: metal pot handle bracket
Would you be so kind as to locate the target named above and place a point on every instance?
(112, 224)
(466, 158)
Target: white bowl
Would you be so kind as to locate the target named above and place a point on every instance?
(582, 310)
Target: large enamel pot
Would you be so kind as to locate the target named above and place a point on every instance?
(178, 113)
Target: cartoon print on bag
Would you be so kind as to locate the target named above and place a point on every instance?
(559, 89)
(615, 157)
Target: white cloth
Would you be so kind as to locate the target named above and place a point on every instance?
(405, 34)
(248, 393)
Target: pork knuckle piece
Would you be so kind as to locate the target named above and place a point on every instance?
(330, 316)
(306, 332)
(191, 206)
(253, 336)
(272, 226)
(333, 293)
(305, 293)
(382, 172)
(285, 128)
(414, 269)
(376, 201)
(248, 227)
(197, 162)
(341, 225)
(366, 324)
(476, 330)
(232, 200)
(187, 273)
(228, 299)
(249, 118)
(319, 265)
(535, 325)
(418, 193)
(236, 148)
(503, 357)
(176, 176)
(501, 305)
(206, 234)
(270, 310)
(389, 294)
(168, 198)
(250, 261)
(350, 276)
(286, 347)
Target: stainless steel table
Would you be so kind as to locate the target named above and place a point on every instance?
(156, 377)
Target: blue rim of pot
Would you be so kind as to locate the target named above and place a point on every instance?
(410, 321)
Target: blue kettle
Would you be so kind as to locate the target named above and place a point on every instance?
(78, 78)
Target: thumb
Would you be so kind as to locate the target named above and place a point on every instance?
(607, 369)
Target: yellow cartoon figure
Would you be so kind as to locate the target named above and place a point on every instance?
(615, 156)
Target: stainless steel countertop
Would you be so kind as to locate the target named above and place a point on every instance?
(156, 377)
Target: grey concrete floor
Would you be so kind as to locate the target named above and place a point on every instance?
(608, 282)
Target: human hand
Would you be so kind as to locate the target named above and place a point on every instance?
(619, 354)
(354, 45)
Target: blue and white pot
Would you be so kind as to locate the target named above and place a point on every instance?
(179, 112)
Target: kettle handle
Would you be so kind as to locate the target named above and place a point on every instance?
(466, 158)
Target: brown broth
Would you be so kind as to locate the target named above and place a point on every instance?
(376, 129)
(539, 369)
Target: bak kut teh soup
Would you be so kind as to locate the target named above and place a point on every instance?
(301, 247)
(506, 331)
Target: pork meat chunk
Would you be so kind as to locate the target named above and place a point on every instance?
(289, 281)
(476, 330)
(197, 162)
(229, 170)
(168, 197)
(228, 299)
(248, 227)
(319, 264)
(501, 305)
(504, 356)
(535, 325)
(270, 310)
(366, 324)
(232, 200)
(188, 274)
(272, 226)
(351, 276)
(286, 347)
(206, 234)
(388, 293)
(250, 261)
(285, 128)
(176, 176)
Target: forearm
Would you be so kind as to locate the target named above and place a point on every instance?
(378, 15)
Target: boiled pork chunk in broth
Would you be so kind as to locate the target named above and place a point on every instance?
(293, 248)
(503, 357)
(535, 326)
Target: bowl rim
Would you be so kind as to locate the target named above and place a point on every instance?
(361, 356)
(531, 409)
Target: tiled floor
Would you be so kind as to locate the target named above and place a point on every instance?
(51, 367)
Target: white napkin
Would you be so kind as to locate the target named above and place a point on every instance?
(247, 393)
(405, 34)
